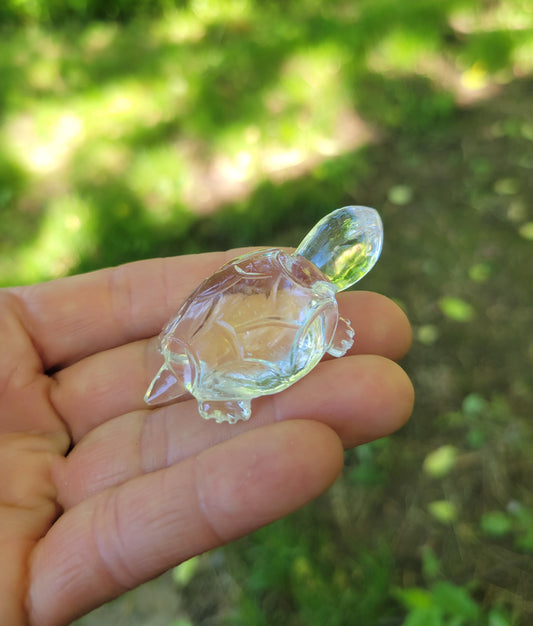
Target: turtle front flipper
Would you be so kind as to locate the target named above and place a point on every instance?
(164, 387)
(343, 338)
(225, 411)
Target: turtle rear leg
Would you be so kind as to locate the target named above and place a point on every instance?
(230, 411)
(343, 339)
(164, 387)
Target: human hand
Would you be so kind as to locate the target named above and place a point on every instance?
(99, 494)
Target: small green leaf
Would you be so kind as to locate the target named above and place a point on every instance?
(497, 617)
(455, 600)
(443, 510)
(517, 211)
(427, 334)
(496, 523)
(302, 569)
(441, 461)
(183, 574)
(480, 272)
(431, 565)
(457, 309)
(526, 231)
(526, 131)
(430, 616)
(474, 404)
(476, 438)
(524, 525)
(506, 186)
(414, 598)
(400, 194)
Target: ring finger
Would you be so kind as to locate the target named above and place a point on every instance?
(361, 397)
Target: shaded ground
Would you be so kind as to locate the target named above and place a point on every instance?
(228, 134)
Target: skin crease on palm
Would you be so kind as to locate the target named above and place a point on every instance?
(99, 494)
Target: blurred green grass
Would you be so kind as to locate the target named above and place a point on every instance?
(178, 127)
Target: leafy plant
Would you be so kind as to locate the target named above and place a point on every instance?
(517, 522)
(444, 604)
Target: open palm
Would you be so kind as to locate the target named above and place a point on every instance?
(99, 494)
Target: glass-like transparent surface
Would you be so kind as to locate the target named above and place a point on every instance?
(345, 244)
(264, 320)
(256, 326)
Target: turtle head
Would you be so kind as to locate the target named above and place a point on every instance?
(345, 244)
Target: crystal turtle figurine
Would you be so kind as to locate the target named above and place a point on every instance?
(264, 320)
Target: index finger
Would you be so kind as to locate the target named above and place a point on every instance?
(70, 318)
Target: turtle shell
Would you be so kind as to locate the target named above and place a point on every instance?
(253, 328)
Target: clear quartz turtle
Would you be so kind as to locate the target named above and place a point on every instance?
(264, 320)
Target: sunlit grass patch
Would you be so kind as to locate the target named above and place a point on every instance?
(476, 17)
(65, 234)
(44, 141)
(178, 27)
(98, 161)
(117, 110)
(523, 53)
(98, 37)
(158, 176)
(404, 50)
(222, 10)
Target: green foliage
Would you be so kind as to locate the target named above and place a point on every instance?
(367, 465)
(445, 604)
(300, 573)
(517, 522)
(495, 523)
(483, 419)
(58, 11)
(443, 511)
(526, 231)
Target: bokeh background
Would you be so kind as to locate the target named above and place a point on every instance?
(137, 129)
